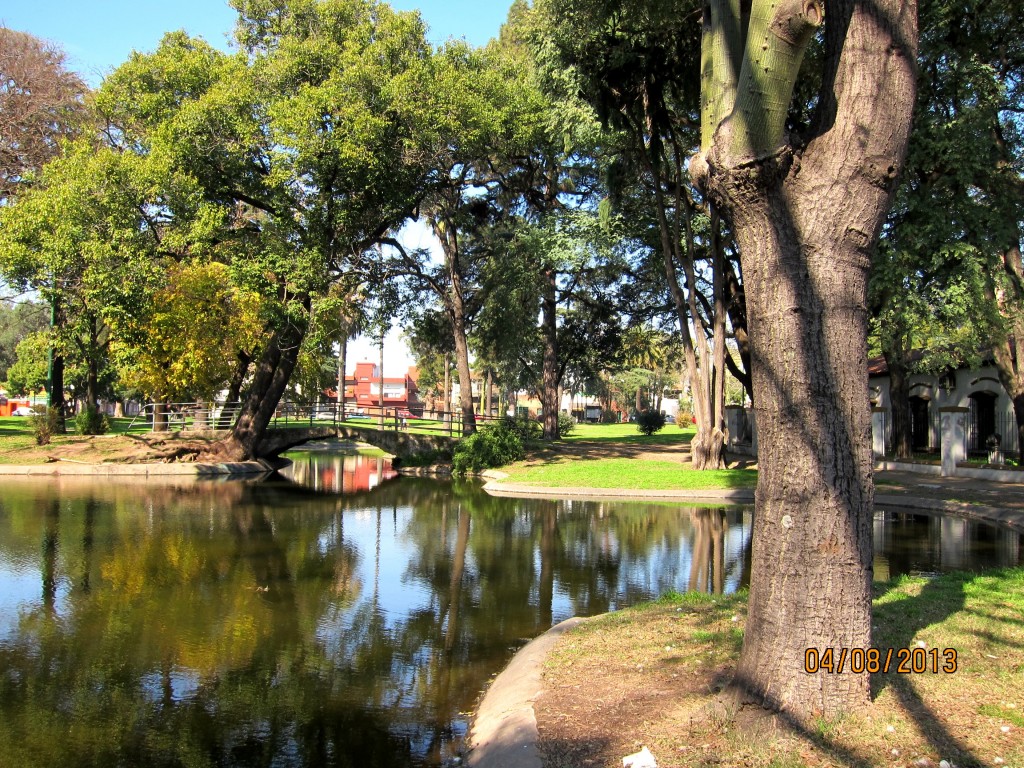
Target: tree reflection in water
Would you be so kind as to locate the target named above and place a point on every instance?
(255, 624)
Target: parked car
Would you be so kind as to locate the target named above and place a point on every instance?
(23, 410)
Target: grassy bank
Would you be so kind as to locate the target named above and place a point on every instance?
(618, 456)
(626, 473)
(647, 677)
(124, 441)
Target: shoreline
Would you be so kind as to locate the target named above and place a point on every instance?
(1012, 518)
(155, 469)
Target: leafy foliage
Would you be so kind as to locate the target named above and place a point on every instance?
(16, 322)
(90, 421)
(650, 421)
(41, 103)
(491, 446)
(28, 373)
(183, 345)
(44, 423)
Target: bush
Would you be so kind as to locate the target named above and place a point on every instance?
(650, 421)
(528, 429)
(566, 424)
(492, 446)
(44, 423)
(91, 422)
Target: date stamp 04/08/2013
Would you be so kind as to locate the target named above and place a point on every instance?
(902, 661)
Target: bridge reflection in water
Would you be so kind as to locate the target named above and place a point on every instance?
(337, 473)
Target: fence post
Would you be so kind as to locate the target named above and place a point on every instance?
(879, 417)
(954, 435)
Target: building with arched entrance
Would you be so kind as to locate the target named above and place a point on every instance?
(990, 410)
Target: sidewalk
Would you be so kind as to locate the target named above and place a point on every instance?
(1001, 503)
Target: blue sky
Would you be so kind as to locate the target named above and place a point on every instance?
(99, 35)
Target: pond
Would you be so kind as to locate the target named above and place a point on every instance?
(343, 619)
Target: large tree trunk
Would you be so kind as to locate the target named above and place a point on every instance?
(55, 378)
(455, 304)
(707, 448)
(899, 400)
(1009, 351)
(549, 376)
(242, 363)
(807, 224)
(269, 381)
(462, 367)
(1007, 357)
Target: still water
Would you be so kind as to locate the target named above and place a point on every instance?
(339, 618)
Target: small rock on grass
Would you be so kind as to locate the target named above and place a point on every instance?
(642, 759)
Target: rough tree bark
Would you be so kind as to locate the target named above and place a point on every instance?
(899, 401)
(807, 218)
(1007, 351)
(455, 305)
(270, 378)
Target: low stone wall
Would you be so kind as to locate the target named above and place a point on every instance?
(991, 474)
(399, 443)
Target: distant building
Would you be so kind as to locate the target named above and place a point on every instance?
(363, 387)
(990, 410)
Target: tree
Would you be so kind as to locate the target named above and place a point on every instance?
(27, 375)
(636, 65)
(84, 237)
(41, 103)
(187, 338)
(491, 114)
(305, 141)
(952, 242)
(806, 209)
(18, 320)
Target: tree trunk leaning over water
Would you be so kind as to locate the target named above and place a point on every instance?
(807, 217)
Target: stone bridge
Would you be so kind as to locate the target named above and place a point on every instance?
(396, 442)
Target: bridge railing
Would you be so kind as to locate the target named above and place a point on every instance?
(448, 423)
(222, 415)
(184, 417)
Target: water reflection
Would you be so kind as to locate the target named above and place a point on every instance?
(273, 624)
(339, 473)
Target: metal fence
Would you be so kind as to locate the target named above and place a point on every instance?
(1005, 425)
(200, 416)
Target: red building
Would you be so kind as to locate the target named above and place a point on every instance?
(362, 390)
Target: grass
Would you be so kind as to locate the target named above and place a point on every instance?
(628, 433)
(683, 647)
(629, 474)
(617, 456)
(18, 444)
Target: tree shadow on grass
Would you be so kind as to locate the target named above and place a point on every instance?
(898, 623)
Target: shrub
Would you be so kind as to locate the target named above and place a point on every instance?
(492, 446)
(650, 421)
(44, 423)
(528, 429)
(566, 424)
(91, 422)
(684, 419)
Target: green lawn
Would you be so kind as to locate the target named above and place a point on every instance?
(628, 433)
(629, 474)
